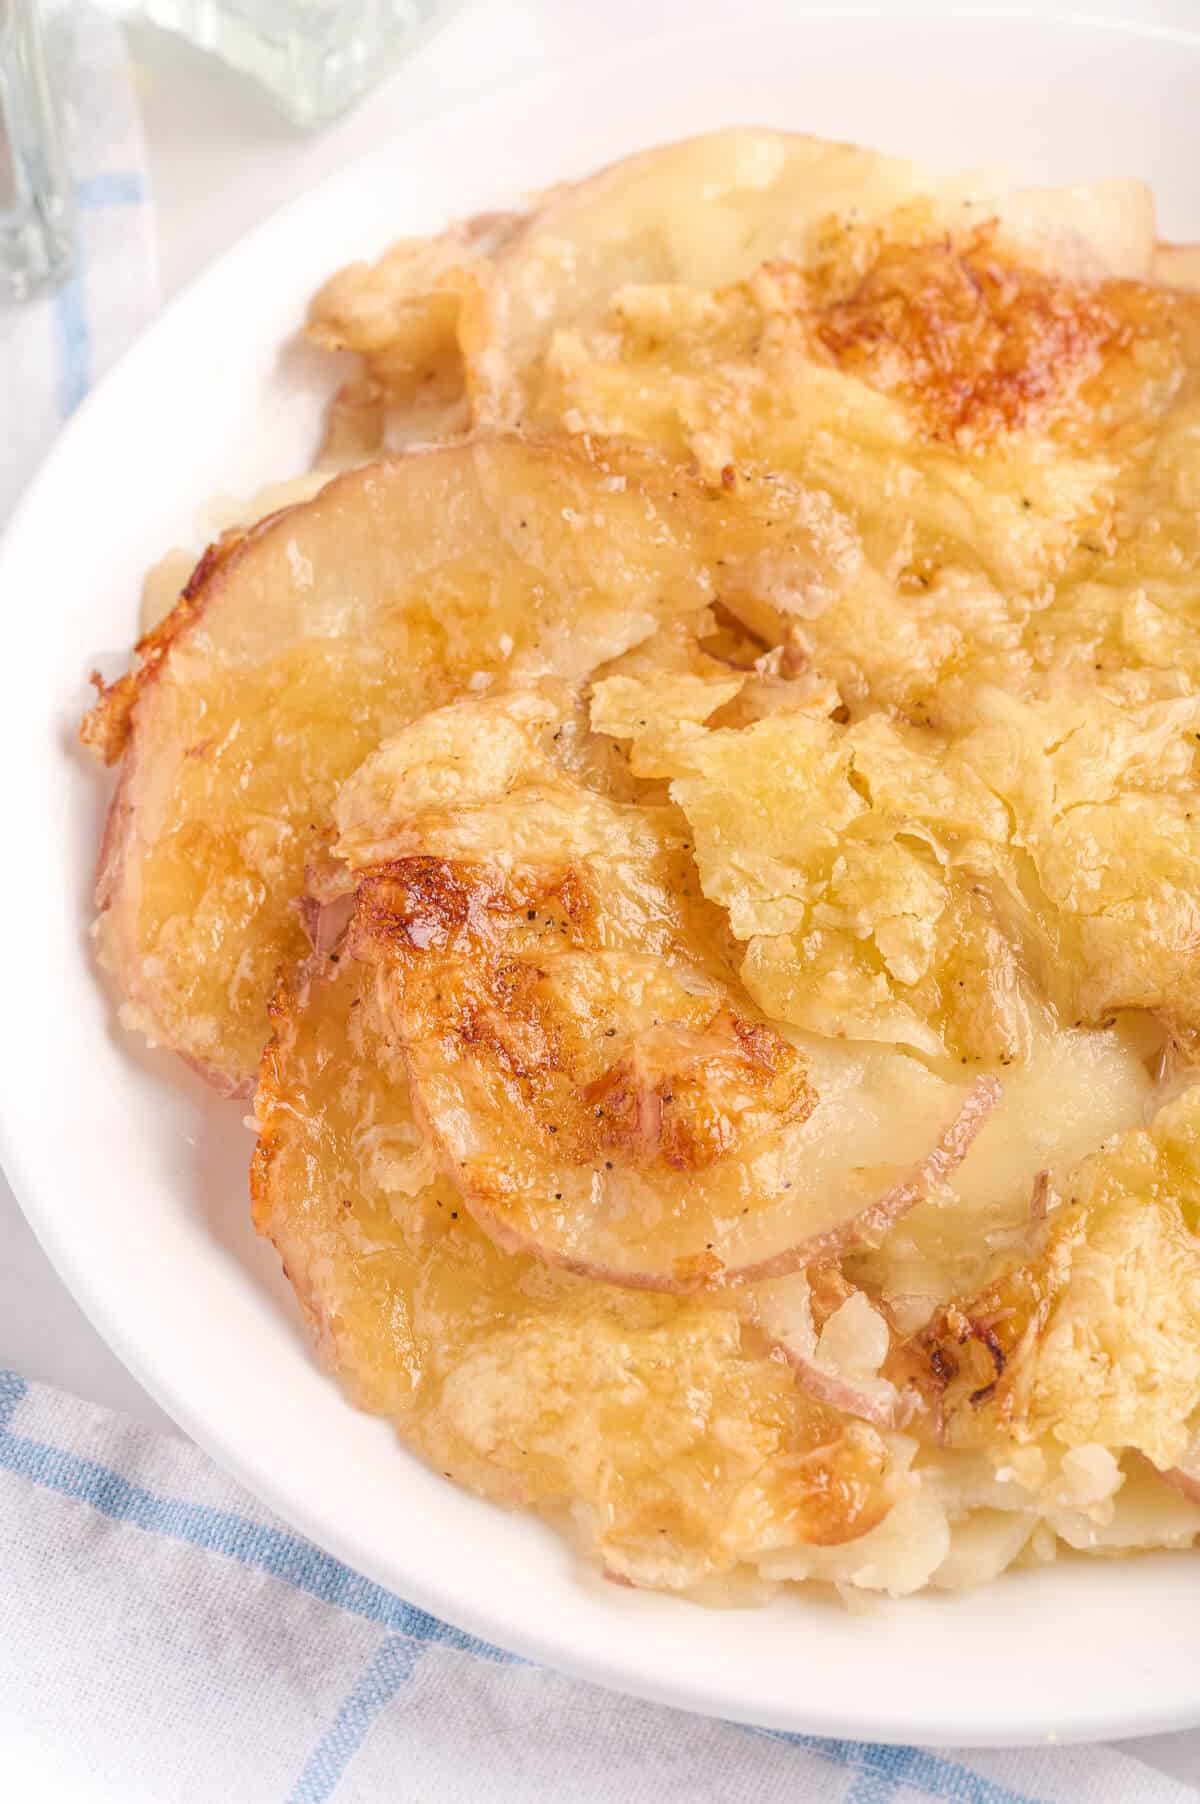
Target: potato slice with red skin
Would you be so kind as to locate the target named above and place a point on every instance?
(589, 1071)
(678, 1448)
(791, 1314)
(301, 643)
(580, 1087)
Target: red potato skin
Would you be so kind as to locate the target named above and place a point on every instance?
(865, 1228)
(108, 725)
(1185, 1482)
(109, 731)
(109, 728)
(842, 1395)
(449, 902)
(868, 1227)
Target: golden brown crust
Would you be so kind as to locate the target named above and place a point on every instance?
(106, 727)
(977, 342)
(966, 1355)
(469, 961)
(680, 1446)
(661, 1102)
(681, 1098)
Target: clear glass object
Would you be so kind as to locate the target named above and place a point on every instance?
(314, 56)
(37, 228)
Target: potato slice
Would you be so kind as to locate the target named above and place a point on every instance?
(1077, 1089)
(674, 1446)
(702, 211)
(401, 315)
(709, 210)
(961, 405)
(393, 305)
(295, 648)
(597, 1086)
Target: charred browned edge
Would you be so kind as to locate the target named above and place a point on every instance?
(968, 1345)
(980, 342)
(666, 1114)
(399, 902)
(963, 1359)
(414, 905)
(105, 727)
(848, 1493)
(441, 898)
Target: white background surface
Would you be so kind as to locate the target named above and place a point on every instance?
(220, 161)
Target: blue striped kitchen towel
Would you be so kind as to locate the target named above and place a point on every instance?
(163, 1640)
(54, 347)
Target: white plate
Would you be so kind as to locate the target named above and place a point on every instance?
(135, 1179)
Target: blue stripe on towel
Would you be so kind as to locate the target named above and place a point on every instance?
(285, 1556)
(392, 1667)
(112, 188)
(932, 1774)
(12, 1389)
(872, 1788)
(879, 1772)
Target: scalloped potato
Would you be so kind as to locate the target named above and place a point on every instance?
(709, 891)
(295, 647)
(672, 1448)
(943, 892)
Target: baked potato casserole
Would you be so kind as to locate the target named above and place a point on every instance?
(688, 830)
